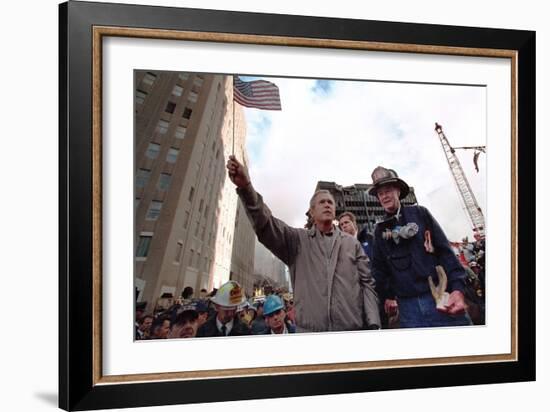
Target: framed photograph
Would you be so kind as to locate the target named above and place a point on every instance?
(204, 152)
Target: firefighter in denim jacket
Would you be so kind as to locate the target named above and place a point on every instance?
(408, 246)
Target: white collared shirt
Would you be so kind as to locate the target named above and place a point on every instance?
(228, 326)
(285, 330)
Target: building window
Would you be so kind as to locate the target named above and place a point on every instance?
(154, 210)
(170, 107)
(177, 90)
(143, 245)
(142, 177)
(191, 194)
(162, 126)
(149, 78)
(198, 81)
(186, 221)
(197, 228)
(183, 76)
(187, 113)
(153, 150)
(172, 155)
(193, 97)
(180, 132)
(179, 250)
(164, 181)
(140, 96)
(191, 256)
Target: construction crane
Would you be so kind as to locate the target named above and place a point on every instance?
(467, 195)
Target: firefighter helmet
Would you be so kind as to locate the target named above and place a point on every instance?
(229, 295)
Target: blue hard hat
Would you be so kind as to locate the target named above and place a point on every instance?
(272, 304)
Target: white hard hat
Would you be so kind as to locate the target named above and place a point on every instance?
(229, 295)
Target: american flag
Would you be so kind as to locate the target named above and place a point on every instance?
(259, 94)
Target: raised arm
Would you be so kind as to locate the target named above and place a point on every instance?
(281, 239)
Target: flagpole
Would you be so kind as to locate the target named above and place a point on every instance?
(233, 148)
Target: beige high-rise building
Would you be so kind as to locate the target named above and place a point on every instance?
(185, 227)
(242, 262)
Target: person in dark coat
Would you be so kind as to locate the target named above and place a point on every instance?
(203, 311)
(367, 240)
(258, 324)
(160, 328)
(409, 245)
(347, 222)
(143, 329)
(186, 322)
(225, 323)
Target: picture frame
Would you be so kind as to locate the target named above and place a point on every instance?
(82, 385)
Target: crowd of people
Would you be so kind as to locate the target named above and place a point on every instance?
(223, 312)
(406, 274)
(472, 257)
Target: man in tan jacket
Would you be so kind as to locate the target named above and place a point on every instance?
(332, 284)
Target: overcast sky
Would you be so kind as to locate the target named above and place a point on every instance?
(341, 130)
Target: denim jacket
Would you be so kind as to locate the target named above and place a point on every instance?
(402, 269)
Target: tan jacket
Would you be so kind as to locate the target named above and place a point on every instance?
(333, 286)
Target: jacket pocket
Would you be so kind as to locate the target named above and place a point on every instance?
(401, 261)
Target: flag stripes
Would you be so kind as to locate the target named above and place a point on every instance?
(259, 94)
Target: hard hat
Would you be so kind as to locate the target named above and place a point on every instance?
(272, 304)
(229, 295)
(243, 306)
(251, 305)
(260, 299)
